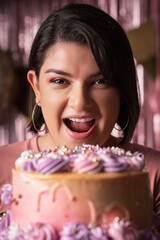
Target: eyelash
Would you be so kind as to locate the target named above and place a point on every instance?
(61, 81)
(101, 79)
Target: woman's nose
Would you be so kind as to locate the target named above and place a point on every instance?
(80, 98)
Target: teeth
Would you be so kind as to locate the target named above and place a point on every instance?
(80, 119)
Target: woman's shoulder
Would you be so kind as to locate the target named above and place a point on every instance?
(152, 165)
(13, 151)
(151, 155)
(8, 155)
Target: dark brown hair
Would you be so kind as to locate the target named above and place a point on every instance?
(85, 24)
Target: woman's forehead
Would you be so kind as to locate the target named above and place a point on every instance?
(68, 57)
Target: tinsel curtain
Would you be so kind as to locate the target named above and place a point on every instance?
(20, 20)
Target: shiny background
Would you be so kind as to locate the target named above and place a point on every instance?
(20, 20)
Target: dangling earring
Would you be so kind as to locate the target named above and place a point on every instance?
(119, 129)
(33, 112)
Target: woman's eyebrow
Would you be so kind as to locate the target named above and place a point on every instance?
(95, 74)
(60, 72)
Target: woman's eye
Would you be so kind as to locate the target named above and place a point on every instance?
(101, 81)
(59, 81)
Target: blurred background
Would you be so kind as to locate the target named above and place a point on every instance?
(19, 22)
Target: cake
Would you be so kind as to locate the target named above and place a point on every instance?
(87, 191)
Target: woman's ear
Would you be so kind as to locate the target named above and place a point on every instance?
(32, 79)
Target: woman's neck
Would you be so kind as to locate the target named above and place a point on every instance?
(46, 142)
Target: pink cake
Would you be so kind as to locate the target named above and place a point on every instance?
(64, 192)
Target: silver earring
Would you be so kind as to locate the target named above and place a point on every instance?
(33, 112)
(119, 129)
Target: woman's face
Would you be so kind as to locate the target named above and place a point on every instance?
(78, 104)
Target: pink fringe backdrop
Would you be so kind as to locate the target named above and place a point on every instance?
(19, 21)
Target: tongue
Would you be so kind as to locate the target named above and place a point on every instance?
(79, 126)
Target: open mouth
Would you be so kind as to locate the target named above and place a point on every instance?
(79, 125)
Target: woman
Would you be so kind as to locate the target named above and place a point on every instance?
(82, 71)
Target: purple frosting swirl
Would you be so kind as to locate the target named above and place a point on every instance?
(5, 221)
(83, 159)
(6, 194)
(4, 234)
(113, 162)
(89, 162)
(98, 233)
(136, 161)
(146, 234)
(46, 152)
(122, 230)
(40, 231)
(20, 236)
(118, 229)
(29, 165)
(75, 231)
(49, 165)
